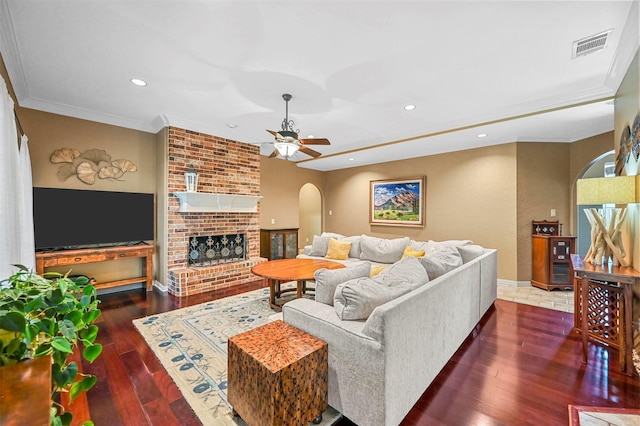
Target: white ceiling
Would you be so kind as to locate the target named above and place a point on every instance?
(504, 68)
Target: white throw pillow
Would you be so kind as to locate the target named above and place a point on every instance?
(382, 250)
(328, 279)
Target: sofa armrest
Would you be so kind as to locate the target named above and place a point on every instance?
(423, 328)
(356, 361)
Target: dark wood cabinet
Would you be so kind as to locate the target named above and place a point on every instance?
(279, 243)
(551, 262)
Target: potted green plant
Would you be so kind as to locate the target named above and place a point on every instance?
(50, 315)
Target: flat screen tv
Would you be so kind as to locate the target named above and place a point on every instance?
(71, 218)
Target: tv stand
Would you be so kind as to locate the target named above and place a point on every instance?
(91, 255)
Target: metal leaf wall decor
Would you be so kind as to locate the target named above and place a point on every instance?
(90, 164)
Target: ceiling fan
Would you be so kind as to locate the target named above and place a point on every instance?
(287, 142)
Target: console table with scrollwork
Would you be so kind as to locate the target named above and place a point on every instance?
(604, 306)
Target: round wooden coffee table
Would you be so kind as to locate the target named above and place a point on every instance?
(285, 270)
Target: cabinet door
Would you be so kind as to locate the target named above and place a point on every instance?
(277, 246)
(291, 245)
(561, 249)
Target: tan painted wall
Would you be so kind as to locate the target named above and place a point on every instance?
(627, 106)
(281, 182)
(543, 173)
(469, 195)
(48, 132)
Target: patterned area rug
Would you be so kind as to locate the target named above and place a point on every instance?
(191, 344)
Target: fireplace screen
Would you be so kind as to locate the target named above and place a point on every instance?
(216, 249)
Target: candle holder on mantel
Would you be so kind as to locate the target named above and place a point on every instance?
(191, 179)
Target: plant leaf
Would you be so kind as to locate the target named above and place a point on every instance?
(83, 385)
(75, 317)
(62, 345)
(91, 316)
(68, 329)
(66, 418)
(92, 352)
(13, 321)
(90, 333)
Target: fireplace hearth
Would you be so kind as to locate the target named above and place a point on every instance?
(217, 249)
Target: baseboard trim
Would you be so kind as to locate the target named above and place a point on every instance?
(160, 286)
(515, 283)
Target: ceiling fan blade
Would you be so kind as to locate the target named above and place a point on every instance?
(274, 153)
(309, 151)
(275, 134)
(315, 141)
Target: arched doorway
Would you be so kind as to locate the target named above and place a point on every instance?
(583, 229)
(310, 211)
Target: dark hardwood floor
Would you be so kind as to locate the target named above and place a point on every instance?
(521, 366)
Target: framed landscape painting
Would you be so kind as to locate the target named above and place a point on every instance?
(397, 202)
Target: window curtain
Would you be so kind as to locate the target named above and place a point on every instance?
(16, 199)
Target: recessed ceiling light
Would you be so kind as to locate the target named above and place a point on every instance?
(482, 135)
(409, 107)
(138, 82)
(231, 125)
(351, 159)
(310, 136)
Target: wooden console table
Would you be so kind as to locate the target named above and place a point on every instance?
(91, 255)
(603, 307)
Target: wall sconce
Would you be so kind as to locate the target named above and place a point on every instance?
(191, 179)
(606, 231)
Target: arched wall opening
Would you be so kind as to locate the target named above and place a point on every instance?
(310, 212)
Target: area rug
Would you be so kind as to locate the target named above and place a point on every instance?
(191, 344)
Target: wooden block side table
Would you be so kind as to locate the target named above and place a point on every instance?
(277, 375)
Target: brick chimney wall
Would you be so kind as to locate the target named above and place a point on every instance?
(224, 167)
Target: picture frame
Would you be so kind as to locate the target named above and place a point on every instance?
(397, 202)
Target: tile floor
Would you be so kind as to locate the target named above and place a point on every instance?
(559, 300)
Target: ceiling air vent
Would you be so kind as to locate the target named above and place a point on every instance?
(590, 44)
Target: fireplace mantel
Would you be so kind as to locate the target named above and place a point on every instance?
(207, 202)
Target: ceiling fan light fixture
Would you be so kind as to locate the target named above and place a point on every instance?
(286, 149)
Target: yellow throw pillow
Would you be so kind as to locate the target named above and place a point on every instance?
(375, 270)
(411, 252)
(338, 250)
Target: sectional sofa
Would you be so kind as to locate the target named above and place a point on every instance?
(390, 334)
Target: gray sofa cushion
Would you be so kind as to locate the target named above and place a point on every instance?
(470, 252)
(357, 298)
(408, 270)
(355, 246)
(327, 280)
(381, 249)
(440, 261)
(320, 245)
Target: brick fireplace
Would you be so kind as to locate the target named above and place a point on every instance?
(224, 167)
